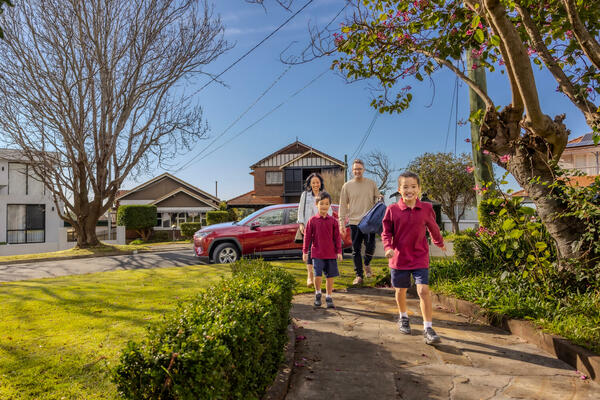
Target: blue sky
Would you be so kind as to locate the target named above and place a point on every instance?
(330, 115)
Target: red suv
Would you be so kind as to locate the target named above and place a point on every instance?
(268, 232)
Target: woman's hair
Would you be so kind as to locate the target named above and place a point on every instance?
(409, 174)
(322, 196)
(313, 175)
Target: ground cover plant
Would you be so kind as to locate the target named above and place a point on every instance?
(60, 337)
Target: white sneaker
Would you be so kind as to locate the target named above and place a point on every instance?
(368, 272)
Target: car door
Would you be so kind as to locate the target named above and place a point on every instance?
(267, 236)
(290, 228)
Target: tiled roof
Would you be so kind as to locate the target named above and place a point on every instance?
(585, 180)
(251, 199)
(585, 140)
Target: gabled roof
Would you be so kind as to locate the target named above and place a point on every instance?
(317, 153)
(167, 175)
(301, 147)
(585, 140)
(182, 190)
(251, 199)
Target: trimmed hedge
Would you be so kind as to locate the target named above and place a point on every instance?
(216, 217)
(141, 218)
(189, 228)
(226, 343)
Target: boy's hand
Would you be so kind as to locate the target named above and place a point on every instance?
(443, 248)
(340, 257)
(389, 253)
(342, 230)
(304, 257)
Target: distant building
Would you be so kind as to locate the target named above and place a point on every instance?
(582, 154)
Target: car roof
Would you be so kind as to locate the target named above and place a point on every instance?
(285, 205)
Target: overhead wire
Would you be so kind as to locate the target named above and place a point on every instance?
(365, 136)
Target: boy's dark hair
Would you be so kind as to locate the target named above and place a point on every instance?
(322, 196)
(409, 174)
(358, 161)
(314, 175)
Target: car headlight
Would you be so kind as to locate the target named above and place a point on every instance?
(201, 234)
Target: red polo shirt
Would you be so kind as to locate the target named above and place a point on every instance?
(324, 234)
(404, 231)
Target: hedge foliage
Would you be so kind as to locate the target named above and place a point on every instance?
(137, 216)
(226, 343)
(189, 228)
(217, 217)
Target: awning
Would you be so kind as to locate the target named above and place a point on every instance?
(183, 209)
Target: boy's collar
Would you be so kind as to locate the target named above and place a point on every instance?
(403, 205)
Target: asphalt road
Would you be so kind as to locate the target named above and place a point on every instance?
(48, 269)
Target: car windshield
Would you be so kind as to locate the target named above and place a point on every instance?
(245, 220)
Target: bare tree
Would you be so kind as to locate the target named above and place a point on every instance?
(333, 182)
(379, 166)
(2, 3)
(92, 94)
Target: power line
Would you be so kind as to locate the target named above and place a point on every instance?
(366, 135)
(454, 95)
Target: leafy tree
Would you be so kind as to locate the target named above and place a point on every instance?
(90, 93)
(141, 218)
(391, 40)
(2, 3)
(448, 180)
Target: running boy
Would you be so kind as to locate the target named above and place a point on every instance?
(404, 227)
(323, 232)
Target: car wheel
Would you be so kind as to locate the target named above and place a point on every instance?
(226, 253)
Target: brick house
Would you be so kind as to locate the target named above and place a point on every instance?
(279, 177)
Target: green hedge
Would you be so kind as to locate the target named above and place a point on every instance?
(216, 217)
(137, 216)
(189, 228)
(226, 343)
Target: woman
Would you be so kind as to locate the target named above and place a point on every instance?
(307, 208)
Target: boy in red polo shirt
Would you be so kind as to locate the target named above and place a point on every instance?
(404, 226)
(323, 232)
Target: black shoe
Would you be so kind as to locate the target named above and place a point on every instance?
(317, 299)
(329, 302)
(404, 325)
(430, 336)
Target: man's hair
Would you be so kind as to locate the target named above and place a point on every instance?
(409, 174)
(358, 161)
(322, 196)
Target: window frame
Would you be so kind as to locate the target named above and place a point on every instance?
(27, 228)
(278, 173)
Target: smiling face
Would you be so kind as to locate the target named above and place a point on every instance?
(315, 184)
(409, 189)
(358, 170)
(323, 206)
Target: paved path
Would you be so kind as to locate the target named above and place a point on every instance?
(356, 352)
(47, 269)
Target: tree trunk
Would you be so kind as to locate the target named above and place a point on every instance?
(455, 226)
(531, 159)
(86, 231)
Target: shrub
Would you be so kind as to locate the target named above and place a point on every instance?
(137, 241)
(141, 218)
(160, 236)
(216, 217)
(226, 343)
(189, 228)
(465, 250)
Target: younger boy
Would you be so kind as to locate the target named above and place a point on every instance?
(323, 232)
(404, 227)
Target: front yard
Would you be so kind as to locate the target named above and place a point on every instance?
(61, 336)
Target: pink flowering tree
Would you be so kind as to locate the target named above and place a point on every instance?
(392, 40)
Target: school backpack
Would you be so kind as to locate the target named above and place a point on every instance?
(371, 222)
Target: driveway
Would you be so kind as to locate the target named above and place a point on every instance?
(48, 269)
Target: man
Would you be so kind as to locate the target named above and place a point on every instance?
(357, 197)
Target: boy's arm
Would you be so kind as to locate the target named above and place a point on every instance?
(387, 236)
(434, 229)
(337, 239)
(307, 235)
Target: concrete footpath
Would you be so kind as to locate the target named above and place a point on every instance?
(356, 352)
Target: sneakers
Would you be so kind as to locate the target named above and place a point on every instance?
(357, 281)
(329, 302)
(309, 282)
(317, 299)
(404, 325)
(430, 336)
(368, 272)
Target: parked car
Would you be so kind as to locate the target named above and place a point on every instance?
(268, 232)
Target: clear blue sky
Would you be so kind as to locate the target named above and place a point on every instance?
(330, 115)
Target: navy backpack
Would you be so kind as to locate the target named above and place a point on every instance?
(371, 222)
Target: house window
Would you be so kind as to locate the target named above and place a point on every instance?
(274, 177)
(26, 223)
(22, 180)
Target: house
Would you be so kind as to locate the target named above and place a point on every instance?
(176, 201)
(582, 154)
(29, 221)
(279, 177)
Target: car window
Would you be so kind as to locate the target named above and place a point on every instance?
(274, 217)
(292, 215)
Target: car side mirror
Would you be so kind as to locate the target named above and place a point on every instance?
(254, 224)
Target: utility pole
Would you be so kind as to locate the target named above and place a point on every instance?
(345, 167)
(482, 163)
(216, 189)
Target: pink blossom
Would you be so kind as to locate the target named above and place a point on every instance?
(501, 61)
(480, 26)
(468, 140)
(492, 213)
(486, 152)
(406, 88)
(380, 36)
(505, 158)
(531, 51)
(470, 32)
(470, 169)
(589, 90)
(569, 34)
(474, 67)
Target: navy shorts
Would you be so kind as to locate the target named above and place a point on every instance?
(328, 267)
(401, 277)
(309, 260)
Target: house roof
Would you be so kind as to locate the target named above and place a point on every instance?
(302, 149)
(187, 192)
(250, 199)
(584, 181)
(315, 152)
(167, 175)
(585, 140)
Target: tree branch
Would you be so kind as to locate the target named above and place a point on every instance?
(588, 44)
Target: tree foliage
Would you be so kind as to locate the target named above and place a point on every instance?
(91, 93)
(141, 218)
(392, 40)
(448, 180)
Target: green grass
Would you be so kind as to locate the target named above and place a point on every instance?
(61, 336)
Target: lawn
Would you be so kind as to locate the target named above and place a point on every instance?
(61, 336)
